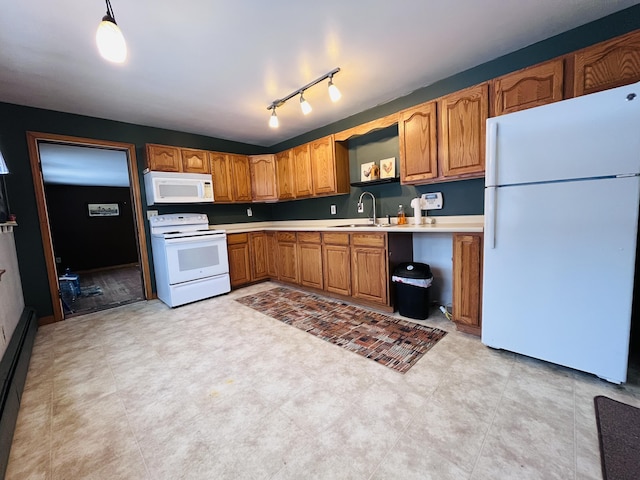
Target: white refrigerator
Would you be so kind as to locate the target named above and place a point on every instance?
(561, 224)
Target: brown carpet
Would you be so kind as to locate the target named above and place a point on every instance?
(395, 343)
(619, 435)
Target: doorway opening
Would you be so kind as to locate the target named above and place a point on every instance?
(90, 211)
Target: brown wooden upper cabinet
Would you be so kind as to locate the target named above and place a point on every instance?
(302, 171)
(607, 64)
(461, 136)
(240, 178)
(263, 178)
(417, 139)
(195, 161)
(285, 175)
(529, 87)
(231, 177)
(221, 172)
(329, 166)
(163, 158)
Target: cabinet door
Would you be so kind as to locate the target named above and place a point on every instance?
(195, 161)
(417, 139)
(608, 64)
(259, 258)
(285, 175)
(527, 88)
(323, 166)
(369, 276)
(263, 178)
(272, 255)
(467, 281)
(163, 158)
(288, 262)
(461, 138)
(310, 264)
(336, 263)
(238, 252)
(221, 172)
(240, 178)
(302, 174)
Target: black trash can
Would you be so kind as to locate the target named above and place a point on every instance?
(412, 282)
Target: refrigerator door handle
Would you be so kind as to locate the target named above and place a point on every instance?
(492, 157)
(490, 217)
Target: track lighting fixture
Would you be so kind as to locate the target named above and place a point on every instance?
(334, 94)
(109, 38)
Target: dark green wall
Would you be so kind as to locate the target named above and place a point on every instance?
(459, 197)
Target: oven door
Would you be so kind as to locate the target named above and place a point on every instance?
(191, 258)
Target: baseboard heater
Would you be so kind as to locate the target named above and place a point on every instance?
(13, 374)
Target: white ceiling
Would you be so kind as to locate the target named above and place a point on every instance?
(212, 67)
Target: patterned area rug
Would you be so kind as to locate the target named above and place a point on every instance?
(394, 343)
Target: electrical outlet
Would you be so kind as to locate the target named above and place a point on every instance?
(151, 213)
(58, 260)
(249, 212)
(360, 207)
(333, 209)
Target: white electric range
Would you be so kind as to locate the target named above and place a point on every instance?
(189, 259)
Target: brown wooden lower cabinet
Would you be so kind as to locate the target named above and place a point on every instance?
(336, 262)
(287, 257)
(239, 263)
(310, 259)
(467, 282)
(272, 254)
(258, 256)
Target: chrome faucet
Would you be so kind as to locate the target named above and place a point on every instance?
(361, 205)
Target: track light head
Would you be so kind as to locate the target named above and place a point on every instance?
(304, 105)
(273, 120)
(334, 93)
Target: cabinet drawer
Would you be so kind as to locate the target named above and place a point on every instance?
(332, 238)
(309, 237)
(235, 238)
(286, 236)
(369, 239)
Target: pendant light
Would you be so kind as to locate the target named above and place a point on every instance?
(111, 43)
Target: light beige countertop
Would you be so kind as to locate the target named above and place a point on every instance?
(451, 224)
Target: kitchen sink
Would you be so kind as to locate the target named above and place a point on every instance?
(361, 225)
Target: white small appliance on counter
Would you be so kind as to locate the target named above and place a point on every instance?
(189, 259)
(173, 187)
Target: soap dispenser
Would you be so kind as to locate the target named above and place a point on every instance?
(402, 218)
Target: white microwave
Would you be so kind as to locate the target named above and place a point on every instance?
(171, 187)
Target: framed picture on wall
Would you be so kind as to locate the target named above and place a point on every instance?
(388, 167)
(103, 209)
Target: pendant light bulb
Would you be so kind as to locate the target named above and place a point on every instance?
(304, 105)
(334, 93)
(273, 120)
(109, 38)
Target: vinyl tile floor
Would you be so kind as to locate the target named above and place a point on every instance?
(216, 390)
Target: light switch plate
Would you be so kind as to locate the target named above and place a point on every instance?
(151, 213)
(333, 209)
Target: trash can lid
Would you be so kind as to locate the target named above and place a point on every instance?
(413, 270)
